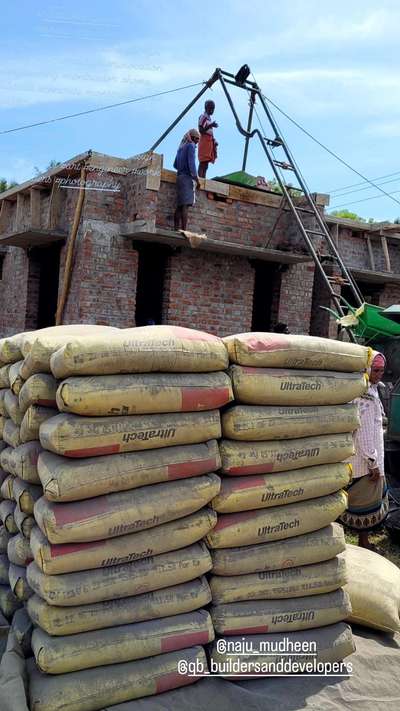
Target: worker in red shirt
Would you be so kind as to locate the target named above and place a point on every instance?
(207, 144)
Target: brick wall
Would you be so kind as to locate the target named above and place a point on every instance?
(13, 291)
(208, 292)
(296, 297)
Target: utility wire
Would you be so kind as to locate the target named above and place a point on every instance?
(355, 202)
(366, 187)
(355, 185)
(100, 108)
(332, 153)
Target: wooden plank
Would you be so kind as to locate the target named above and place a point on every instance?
(256, 197)
(35, 198)
(370, 252)
(53, 215)
(19, 213)
(5, 214)
(386, 253)
(154, 168)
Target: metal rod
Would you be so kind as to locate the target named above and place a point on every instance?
(249, 122)
(207, 85)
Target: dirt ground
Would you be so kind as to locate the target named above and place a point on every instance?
(384, 544)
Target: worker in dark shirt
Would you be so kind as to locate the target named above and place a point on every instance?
(187, 179)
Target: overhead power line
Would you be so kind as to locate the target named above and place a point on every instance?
(355, 185)
(355, 202)
(99, 108)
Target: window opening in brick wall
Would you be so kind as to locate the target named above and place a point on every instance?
(150, 283)
(43, 283)
(371, 292)
(266, 295)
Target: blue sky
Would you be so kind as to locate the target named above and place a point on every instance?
(332, 67)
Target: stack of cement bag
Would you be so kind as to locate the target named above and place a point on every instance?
(278, 564)
(128, 471)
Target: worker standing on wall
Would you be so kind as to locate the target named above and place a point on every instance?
(187, 179)
(208, 144)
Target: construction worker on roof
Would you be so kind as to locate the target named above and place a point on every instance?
(207, 144)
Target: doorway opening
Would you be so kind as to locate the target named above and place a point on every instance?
(150, 283)
(43, 282)
(266, 295)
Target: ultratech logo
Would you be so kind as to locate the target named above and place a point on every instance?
(127, 527)
(305, 616)
(286, 494)
(126, 558)
(282, 526)
(300, 386)
(297, 453)
(278, 574)
(149, 434)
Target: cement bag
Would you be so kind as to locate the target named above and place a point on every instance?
(75, 436)
(8, 602)
(288, 615)
(19, 550)
(273, 386)
(4, 377)
(38, 350)
(23, 521)
(173, 600)
(40, 389)
(24, 461)
(332, 644)
(280, 522)
(10, 347)
(141, 576)
(11, 434)
(7, 512)
(89, 690)
(18, 582)
(2, 420)
(34, 417)
(244, 493)
(11, 404)
(60, 655)
(4, 538)
(23, 628)
(14, 376)
(3, 476)
(265, 457)
(278, 350)
(54, 559)
(4, 566)
(374, 589)
(142, 350)
(253, 423)
(312, 579)
(7, 460)
(6, 489)
(76, 479)
(26, 494)
(144, 393)
(3, 410)
(309, 548)
(113, 515)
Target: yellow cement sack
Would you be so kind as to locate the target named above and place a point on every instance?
(374, 589)
(14, 376)
(33, 418)
(18, 582)
(4, 538)
(135, 578)
(249, 527)
(11, 434)
(144, 393)
(26, 494)
(173, 600)
(19, 550)
(23, 521)
(7, 488)
(287, 615)
(60, 655)
(4, 377)
(11, 405)
(295, 388)
(7, 460)
(4, 566)
(3, 411)
(142, 350)
(265, 457)
(243, 493)
(7, 516)
(24, 461)
(54, 559)
(75, 436)
(66, 479)
(10, 347)
(309, 548)
(124, 512)
(40, 389)
(253, 423)
(304, 580)
(22, 628)
(9, 603)
(278, 350)
(325, 645)
(89, 690)
(2, 420)
(63, 333)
